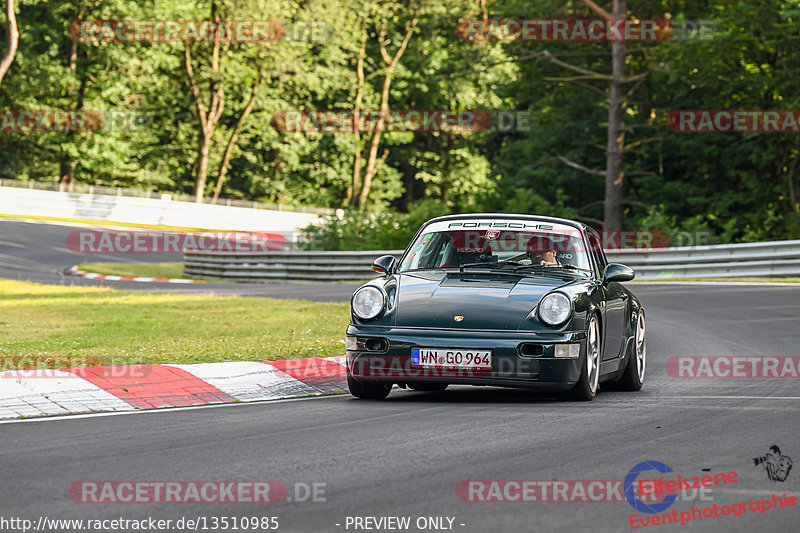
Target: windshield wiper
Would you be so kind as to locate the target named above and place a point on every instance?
(515, 264)
(551, 266)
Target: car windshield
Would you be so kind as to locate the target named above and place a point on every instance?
(514, 249)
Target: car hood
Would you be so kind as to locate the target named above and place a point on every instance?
(484, 300)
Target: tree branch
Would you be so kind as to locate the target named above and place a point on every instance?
(553, 59)
(226, 159)
(406, 39)
(201, 108)
(355, 182)
(578, 166)
(597, 9)
(603, 77)
(13, 39)
(643, 141)
(382, 41)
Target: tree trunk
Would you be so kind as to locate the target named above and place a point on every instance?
(226, 159)
(372, 160)
(355, 183)
(203, 151)
(208, 119)
(69, 163)
(391, 63)
(67, 173)
(612, 216)
(792, 174)
(13, 39)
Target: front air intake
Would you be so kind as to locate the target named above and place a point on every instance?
(530, 349)
(376, 345)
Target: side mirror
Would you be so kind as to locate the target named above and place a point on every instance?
(384, 265)
(617, 272)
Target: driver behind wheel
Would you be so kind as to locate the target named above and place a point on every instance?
(542, 250)
(467, 247)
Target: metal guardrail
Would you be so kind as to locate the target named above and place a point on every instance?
(755, 259)
(763, 259)
(85, 188)
(303, 266)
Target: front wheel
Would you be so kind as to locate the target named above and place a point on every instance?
(633, 378)
(368, 390)
(586, 388)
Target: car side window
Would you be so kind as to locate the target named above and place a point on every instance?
(597, 253)
(431, 255)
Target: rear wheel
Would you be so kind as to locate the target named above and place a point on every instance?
(586, 388)
(368, 390)
(438, 387)
(633, 377)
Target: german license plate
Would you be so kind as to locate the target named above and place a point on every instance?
(452, 357)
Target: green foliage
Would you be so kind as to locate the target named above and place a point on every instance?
(385, 230)
(737, 187)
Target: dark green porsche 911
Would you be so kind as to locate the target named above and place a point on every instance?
(500, 300)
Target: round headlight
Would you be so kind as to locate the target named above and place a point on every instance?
(368, 303)
(555, 308)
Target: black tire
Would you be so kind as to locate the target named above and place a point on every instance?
(431, 387)
(588, 384)
(368, 390)
(633, 377)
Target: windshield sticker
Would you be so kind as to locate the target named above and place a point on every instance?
(515, 225)
(425, 239)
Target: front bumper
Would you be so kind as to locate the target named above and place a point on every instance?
(388, 358)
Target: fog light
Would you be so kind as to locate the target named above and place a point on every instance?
(570, 351)
(350, 343)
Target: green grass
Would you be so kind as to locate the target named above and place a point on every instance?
(144, 270)
(103, 326)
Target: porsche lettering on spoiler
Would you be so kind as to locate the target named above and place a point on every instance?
(513, 225)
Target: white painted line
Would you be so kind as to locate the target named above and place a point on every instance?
(73, 271)
(249, 381)
(160, 410)
(687, 397)
(52, 392)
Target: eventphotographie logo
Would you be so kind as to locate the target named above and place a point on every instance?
(775, 464)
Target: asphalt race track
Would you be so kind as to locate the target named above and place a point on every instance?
(39, 253)
(406, 456)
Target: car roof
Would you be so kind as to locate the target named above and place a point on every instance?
(537, 218)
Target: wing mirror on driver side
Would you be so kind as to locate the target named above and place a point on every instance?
(384, 265)
(617, 272)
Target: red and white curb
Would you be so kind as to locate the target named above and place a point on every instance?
(74, 271)
(25, 393)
